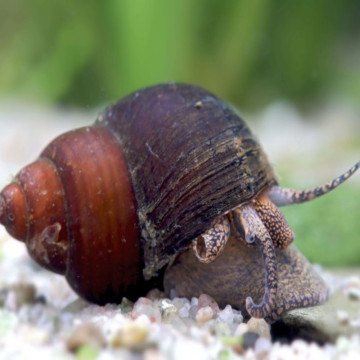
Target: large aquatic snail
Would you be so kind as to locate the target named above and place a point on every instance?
(166, 169)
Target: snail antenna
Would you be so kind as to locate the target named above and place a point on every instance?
(284, 196)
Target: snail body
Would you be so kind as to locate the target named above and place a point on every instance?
(167, 168)
(227, 278)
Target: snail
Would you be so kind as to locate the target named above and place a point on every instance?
(166, 169)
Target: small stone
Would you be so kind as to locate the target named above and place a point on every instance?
(194, 301)
(86, 334)
(354, 293)
(8, 321)
(235, 342)
(143, 301)
(226, 315)
(33, 335)
(249, 339)
(126, 305)
(181, 302)
(146, 307)
(76, 306)
(167, 308)
(143, 320)
(343, 343)
(241, 329)
(260, 327)
(179, 324)
(25, 293)
(155, 294)
(238, 318)
(342, 316)
(17, 295)
(41, 299)
(152, 354)
(188, 349)
(262, 347)
(130, 335)
(231, 317)
(206, 300)
(221, 329)
(193, 311)
(204, 314)
(352, 281)
(355, 323)
(184, 311)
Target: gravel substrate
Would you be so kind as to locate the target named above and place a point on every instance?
(42, 318)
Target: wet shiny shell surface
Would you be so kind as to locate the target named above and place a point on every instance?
(191, 159)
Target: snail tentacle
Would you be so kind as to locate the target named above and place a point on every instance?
(210, 244)
(284, 196)
(254, 228)
(279, 229)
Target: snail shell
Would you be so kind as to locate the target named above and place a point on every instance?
(109, 205)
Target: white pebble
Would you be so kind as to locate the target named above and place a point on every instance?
(355, 323)
(189, 349)
(143, 307)
(241, 329)
(194, 301)
(226, 314)
(184, 311)
(181, 302)
(167, 307)
(354, 293)
(342, 316)
(262, 346)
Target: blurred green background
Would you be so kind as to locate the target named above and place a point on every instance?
(249, 52)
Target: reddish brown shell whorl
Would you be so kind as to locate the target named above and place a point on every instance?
(76, 211)
(104, 249)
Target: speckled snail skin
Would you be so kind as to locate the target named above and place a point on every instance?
(167, 170)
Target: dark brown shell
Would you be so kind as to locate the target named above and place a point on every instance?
(191, 159)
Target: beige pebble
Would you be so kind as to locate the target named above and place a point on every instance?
(130, 335)
(204, 314)
(260, 327)
(241, 329)
(153, 354)
(33, 335)
(16, 295)
(86, 334)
